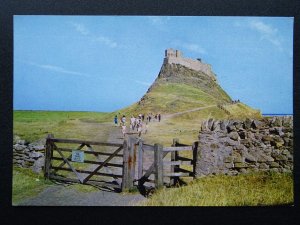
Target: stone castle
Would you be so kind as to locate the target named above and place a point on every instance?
(175, 57)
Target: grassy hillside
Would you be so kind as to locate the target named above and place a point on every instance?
(178, 94)
(179, 89)
(170, 98)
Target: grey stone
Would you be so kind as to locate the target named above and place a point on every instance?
(210, 124)
(16, 138)
(249, 158)
(263, 166)
(279, 157)
(247, 123)
(242, 134)
(256, 124)
(240, 165)
(276, 170)
(287, 121)
(231, 128)
(243, 171)
(36, 155)
(277, 122)
(274, 165)
(237, 158)
(19, 147)
(264, 158)
(234, 136)
(38, 165)
(216, 125)
(21, 142)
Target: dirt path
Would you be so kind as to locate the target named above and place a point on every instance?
(188, 111)
(60, 195)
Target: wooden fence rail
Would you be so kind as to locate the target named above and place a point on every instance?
(158, 165)
(131, 153)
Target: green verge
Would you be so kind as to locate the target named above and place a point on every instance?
(257, 189)
(27, 184)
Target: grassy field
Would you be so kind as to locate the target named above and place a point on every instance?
(33, 125)
(255, 189)
(259, 189)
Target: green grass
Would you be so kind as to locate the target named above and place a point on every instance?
(34, 125)
(255, 189)
(172, 98)
(27, 184)
(241, 111)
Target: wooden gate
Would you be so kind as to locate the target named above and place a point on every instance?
(84, 162)
(164, 167)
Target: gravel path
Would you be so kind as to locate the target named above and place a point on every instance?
(60, 195)
(187, 111)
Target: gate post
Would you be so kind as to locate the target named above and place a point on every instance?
(132, 160)
(140, 161)
(194, 161)
(158, 163)
(48, 154)
(174, 168)
(125, 182)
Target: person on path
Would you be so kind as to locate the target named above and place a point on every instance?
(123, 120)
(159, 117)
(146, 128)
(137, 122)
(132, 122)
(116, 120)
(123, 129)
(140, 128)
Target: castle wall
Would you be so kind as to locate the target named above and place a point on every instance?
(192, 64)
(175, 57)
(232, 147)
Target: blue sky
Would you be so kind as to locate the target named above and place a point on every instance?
(105, 63)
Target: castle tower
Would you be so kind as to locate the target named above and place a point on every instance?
(178, 54)
(176, 57)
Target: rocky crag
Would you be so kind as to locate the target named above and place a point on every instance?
(184, 84)
(232, 147)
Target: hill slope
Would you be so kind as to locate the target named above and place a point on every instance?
(185, 96)
(178, 88)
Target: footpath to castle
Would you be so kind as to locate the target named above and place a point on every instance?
(60, 195)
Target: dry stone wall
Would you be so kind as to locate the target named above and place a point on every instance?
(29, 155)
(232, 147)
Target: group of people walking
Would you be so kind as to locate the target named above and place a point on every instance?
(138, 123)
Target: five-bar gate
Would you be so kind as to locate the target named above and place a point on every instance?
(120, 166)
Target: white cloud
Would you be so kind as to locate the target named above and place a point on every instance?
(194, 48)
(267, 32)
(80, 28)
(106, 41)
(189, 46)
(57, 69)
(83, 30)
(263, 28)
